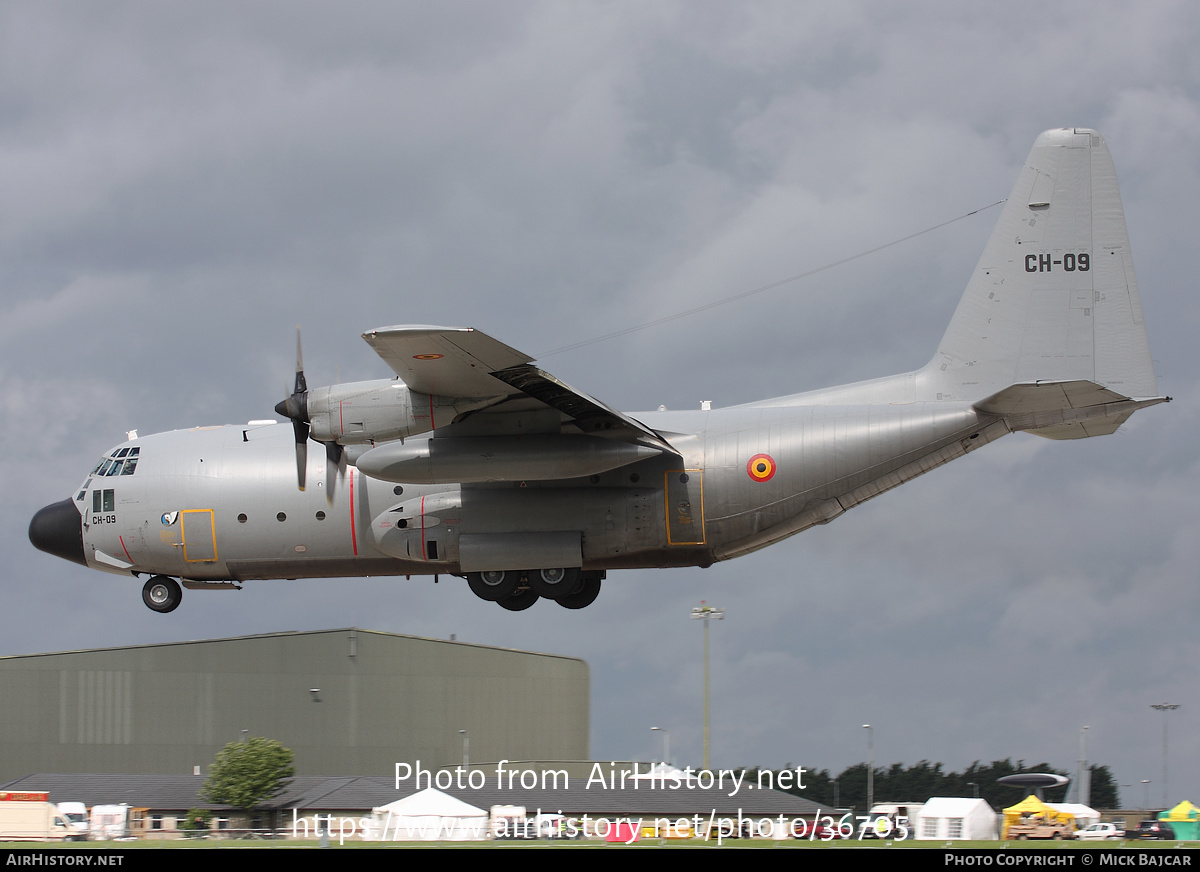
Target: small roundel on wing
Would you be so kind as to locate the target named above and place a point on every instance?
(761, 467)
(427, 356)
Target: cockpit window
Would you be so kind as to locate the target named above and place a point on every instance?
(122, 462)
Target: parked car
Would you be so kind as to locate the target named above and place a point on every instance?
(1099, 832)
(1151, 829)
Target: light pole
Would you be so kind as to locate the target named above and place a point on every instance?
(666, 743)
(1146, 792)
(466, 749)
(1083, 787)
(704, 612)
(1165, 708)
(870, 766)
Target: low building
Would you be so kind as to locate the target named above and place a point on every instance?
(345, 701)
(666, 807)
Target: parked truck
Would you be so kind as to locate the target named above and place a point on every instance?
(27, 816)
(1041, 826)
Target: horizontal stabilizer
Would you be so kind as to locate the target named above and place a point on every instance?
(1064, 410)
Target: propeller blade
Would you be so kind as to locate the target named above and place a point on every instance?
(301, 384)
(301, 430)
(335, 465)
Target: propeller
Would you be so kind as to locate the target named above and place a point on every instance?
(295, 408)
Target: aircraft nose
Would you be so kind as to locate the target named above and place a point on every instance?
(58, 530)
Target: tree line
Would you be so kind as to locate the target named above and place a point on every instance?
(919, 782)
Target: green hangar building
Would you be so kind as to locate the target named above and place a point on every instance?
(347, 702)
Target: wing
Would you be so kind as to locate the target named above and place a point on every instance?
(462, 362)
(446, 361)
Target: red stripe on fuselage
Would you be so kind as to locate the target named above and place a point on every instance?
(353, 533)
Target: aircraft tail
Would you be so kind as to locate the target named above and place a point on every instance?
(1053, 302)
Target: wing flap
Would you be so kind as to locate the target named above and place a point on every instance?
(590, 415)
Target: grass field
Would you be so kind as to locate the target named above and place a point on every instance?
(745, 844)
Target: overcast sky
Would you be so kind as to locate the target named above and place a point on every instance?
(182, 184)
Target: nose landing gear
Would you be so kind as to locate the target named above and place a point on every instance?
(162, 594)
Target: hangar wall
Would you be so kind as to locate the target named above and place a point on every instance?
(380, 699)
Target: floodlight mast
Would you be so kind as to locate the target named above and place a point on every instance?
(704, 612)
(1166, 708)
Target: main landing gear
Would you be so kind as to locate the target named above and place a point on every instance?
(517, 590)
(162, 594)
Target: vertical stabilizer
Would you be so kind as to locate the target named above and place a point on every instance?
(1054, 297)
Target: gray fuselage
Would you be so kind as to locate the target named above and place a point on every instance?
(222, 503)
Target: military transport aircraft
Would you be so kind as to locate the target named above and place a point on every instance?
(473, 462)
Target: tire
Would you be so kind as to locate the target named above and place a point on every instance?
(493, 585)
(162, 594)
(519, 601)
(586, 595)
(554, 583)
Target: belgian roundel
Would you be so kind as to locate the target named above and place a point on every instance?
(761, 467)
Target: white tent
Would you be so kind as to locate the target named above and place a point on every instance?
(947, 818)
(427, 816)
(1084, 816)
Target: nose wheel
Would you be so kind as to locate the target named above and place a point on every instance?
(162, 594)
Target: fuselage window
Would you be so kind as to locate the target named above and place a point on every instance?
(320, 516)
(104, 501)
(242, 518)
(281, 517)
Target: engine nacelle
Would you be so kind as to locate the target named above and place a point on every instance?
(379, 411)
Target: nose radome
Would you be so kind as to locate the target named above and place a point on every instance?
(58, 529)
